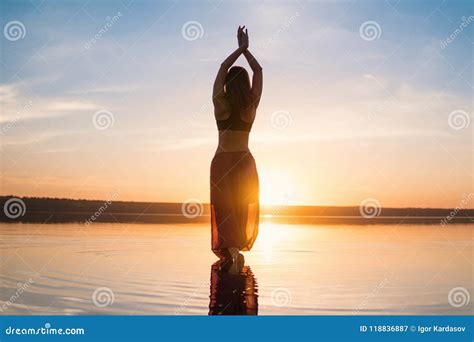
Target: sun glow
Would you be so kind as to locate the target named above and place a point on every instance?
(272, 236)
(276, 188)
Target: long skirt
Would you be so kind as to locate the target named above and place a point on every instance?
(234, 202)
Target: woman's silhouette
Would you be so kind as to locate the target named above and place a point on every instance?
(234, 178)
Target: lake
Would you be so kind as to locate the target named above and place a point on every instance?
(148, 269)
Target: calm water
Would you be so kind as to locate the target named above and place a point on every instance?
(166, 269)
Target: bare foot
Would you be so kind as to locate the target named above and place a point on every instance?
(237, 261)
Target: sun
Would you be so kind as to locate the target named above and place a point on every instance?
(276, 188)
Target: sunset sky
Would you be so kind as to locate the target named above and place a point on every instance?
(344, 116)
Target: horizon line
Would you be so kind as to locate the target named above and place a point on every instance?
(207, 203)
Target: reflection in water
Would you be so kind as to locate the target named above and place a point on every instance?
(143, 266)
(233, 294)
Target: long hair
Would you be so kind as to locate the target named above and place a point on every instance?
(238, 90)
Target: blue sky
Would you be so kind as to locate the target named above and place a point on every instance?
(369, 118)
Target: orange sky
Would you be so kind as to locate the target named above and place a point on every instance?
(343, 117)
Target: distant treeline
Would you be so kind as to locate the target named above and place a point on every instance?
(61, 210)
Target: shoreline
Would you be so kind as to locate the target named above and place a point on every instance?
(48, 210)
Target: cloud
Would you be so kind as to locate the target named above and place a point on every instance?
(7, 92)
(70, 105)
(107, 89)
(37, 137)
(20, 107)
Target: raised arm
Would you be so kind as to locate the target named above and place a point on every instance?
(219, 83)
(257, 79)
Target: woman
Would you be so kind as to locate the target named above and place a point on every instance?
(234, 178)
